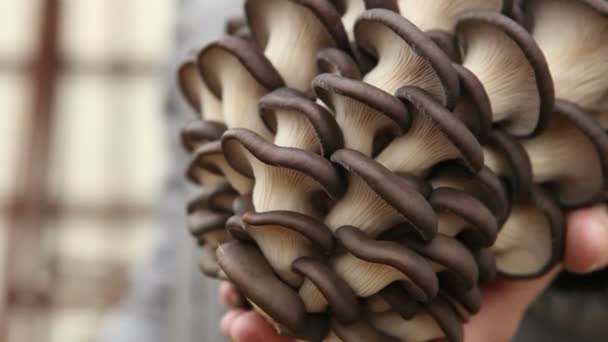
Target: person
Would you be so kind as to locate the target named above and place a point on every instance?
(505, 301)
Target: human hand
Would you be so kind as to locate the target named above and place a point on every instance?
(504, 300)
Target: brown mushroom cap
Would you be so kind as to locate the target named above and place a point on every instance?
(507, 158)
(293, 172)
(198, 132)
(299, 122)
(447, 255)
(483, 185)
(239, 74)
(573, 35)
(406, 56)
(373, 264)
(338, 62)
(210, 157)
(486, 261)
(351, 9)
(474, 107)
(246, 267)
(436, 321)
(532, 240)
(571, 156)
(377, 199)
(475, 216)
(283, 237)
(364, 113)
(436, 136)
(342, 300)
(511, 67)
(208, 212)
(207, 262)
(398, 300)
(466, 301)
(306, 26)
(196, 92)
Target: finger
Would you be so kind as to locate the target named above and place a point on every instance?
(228, 320)
(504, 304)
(251, 327)
(587, 240)
(229, 295)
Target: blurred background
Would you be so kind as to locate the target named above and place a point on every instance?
(88, 147)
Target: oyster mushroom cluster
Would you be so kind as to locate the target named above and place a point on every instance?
(366, 165)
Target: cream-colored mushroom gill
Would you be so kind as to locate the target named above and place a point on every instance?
(423, 327)
(359, 122)
(281, 247)
(442, 14)
(363, 208)
(564, 156)
(422, 147)
(574, 40)
(365, 278)
(523, 245)
(295, 35)
(240, 92)
(240, 183)
(505, 73)
(398, 64)
(295, 130)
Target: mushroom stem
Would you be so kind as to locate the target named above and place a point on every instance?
(511, 68)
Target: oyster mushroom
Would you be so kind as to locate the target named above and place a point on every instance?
(377, 199)
(245, 265)
(435, 136)
(405, 56)
(207, 215)
(511, 68)
(532, 239)
(198, 132)
(393, 298)
(573, 36)
(435, 321)
(286, 179)
(438, 17)
(337, 62)
(291, 32)
(196, 92)
(236, 72)
(367, 116)
(209, 166)
(507, 158)
(576, 166)
(483, 185)
(473, 107)
(299, 122)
